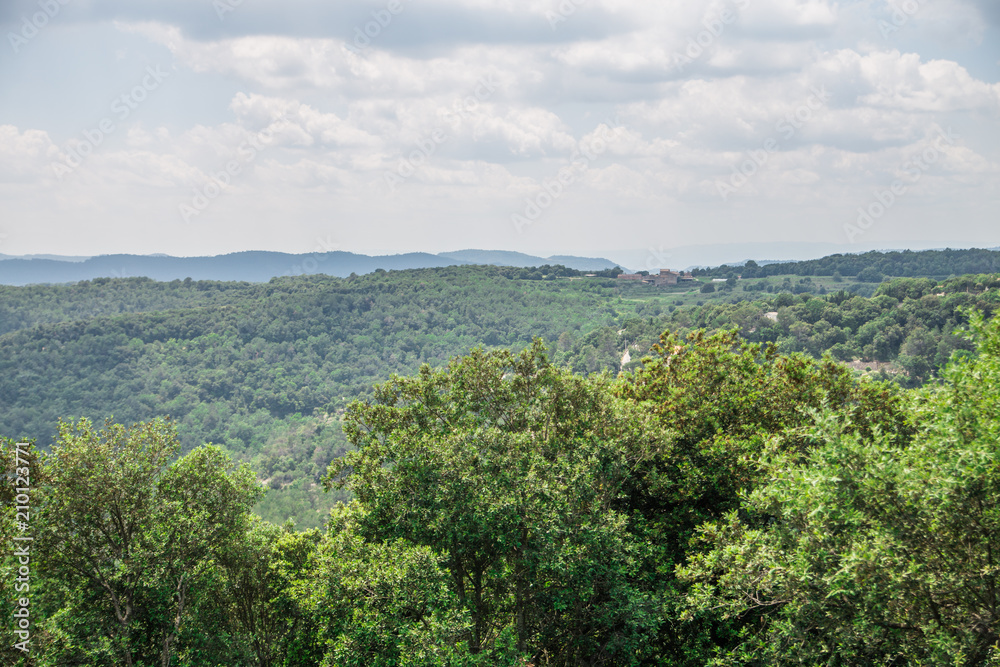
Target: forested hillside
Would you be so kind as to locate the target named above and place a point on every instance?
(905, 332)
(724, 504)
(872, 266)
(266, 370)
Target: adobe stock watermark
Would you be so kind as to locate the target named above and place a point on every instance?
(22, 546)
(30, 27)
(220, 180)
(714, 26)
(310, 264)
(223, 7)
(787, 127)
(563, 11)
(122, 107)
(657, 258)
(902, 12)
(427, 145)
(118, 273)
(381, 18)
(424, 148)
(884, 200)
(553, 188)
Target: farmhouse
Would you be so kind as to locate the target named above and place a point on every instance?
(665, 277)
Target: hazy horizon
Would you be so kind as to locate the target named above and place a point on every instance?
(650, 259)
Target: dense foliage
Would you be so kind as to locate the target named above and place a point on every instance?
(860, 549)
(266, 370)
(872, 266)
(907, 331)
(508, 470)
(785, 473)
(724, 504)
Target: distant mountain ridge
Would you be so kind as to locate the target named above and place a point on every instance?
(258, 266)
(261, 266)
(519, 259)
(58, 258)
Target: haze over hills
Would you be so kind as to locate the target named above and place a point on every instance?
(259, 266)
(60, 258)
(520, 259)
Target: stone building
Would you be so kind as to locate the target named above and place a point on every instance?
(665, 277)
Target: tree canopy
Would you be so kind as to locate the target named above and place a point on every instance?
(735, 493)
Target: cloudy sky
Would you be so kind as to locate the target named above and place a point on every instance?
(194, 127)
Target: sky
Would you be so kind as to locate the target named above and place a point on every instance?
(201, 127)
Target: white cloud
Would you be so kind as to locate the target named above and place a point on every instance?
(512, 100)
(24, 156)
(904, 82)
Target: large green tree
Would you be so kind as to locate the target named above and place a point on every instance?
(866, 550)
(723, 398)
(265, 571)
(132, 534)
(509, 469)
(376, 603)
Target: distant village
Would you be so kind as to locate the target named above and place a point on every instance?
(664, 278)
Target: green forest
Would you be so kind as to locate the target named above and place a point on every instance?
(266, 370)
(875, 264)
(504, 466)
